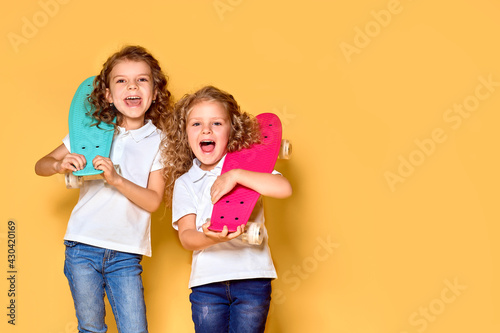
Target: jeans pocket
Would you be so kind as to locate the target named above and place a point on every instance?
(70, 243)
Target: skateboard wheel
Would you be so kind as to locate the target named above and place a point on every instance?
(72, 181)
(285, 149)
(254, 233)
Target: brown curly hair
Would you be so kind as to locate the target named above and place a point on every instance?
(158, 112)
(177, 153)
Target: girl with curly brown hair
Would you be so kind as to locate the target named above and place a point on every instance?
(109, 229)
(230, 280)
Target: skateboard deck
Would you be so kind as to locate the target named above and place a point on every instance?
(234, 208)
(86, 139)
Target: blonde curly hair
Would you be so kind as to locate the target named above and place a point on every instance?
(158, 112)
(177, 153)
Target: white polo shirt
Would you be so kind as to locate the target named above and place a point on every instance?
(232, 260)
(104, 217)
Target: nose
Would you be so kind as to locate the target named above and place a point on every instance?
(132, 86)
(206, 129)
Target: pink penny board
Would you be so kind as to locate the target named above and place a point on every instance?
(235, 207)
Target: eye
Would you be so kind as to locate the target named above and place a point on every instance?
(143, 79)
(217, 123)
(120, 81)
(195, 124)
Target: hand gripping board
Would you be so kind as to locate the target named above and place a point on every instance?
(86, 139)
(235, 207)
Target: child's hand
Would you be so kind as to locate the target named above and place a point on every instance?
(223, 185)
(71, 162)
(224, 235)
(105, 164)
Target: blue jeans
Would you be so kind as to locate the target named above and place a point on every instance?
(233, 306)
(91, 271)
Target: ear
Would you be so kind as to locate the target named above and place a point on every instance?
(155, 94)
(109, 98)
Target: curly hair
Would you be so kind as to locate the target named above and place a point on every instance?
(245, 131)
(158, 112)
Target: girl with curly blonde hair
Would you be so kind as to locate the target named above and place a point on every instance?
(109, 229)
(244, 132)
(228, 276)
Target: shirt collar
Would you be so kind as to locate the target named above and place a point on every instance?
(196, 173)
(140, 133)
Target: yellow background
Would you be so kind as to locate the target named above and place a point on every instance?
(360, 86)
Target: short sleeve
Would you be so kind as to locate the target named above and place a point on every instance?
(67, 143)
(183, 203)
(157, 163)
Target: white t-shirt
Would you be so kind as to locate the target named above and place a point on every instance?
(104, 217)
(232, 260)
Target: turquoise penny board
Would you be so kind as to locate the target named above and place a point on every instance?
(86, 139)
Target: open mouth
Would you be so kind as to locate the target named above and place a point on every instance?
(207, 146)
(133, 100)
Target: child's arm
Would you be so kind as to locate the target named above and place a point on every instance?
(60, 160)
(267, 184)
(193, 240)
(148, 198)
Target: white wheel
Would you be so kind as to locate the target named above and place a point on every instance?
(72, 181)
(285, 149)
(254, 233)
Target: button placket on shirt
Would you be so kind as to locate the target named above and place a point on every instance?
(210, 175)
(119, 147)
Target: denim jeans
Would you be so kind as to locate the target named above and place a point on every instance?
(92, 271)
(233, 306)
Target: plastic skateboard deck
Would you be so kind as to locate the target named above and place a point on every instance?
(235, 207)
(86, 139)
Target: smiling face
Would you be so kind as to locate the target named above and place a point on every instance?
(131, 90)
(208, 128)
